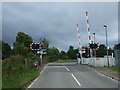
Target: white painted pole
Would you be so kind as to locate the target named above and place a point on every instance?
(80, 46)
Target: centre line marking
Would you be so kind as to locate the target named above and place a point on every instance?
(76, 80)
(67, 69)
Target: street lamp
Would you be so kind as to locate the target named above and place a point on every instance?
(94, 43)
(105, 26)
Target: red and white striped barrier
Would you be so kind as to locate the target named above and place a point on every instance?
(88, 29)
(80, 46)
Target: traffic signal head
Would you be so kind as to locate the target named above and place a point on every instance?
(35, 46)
(93, 45)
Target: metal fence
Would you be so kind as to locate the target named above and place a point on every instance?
(101, 62)
(98, 62)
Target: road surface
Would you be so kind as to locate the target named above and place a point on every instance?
(71, 76)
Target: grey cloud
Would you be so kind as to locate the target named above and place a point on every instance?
(57, 22)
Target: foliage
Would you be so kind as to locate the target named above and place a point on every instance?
(87, 53)
(117, 46)
(45, 42)
(24, 38)
(53, 54)
(6, 50)
(17, 69)
(21, 45)
(110, 51)
(101, 51)
(19, 48)
(15, 65)
(63, 55)
(31, 55)
(71, 53)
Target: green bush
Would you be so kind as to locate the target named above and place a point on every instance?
(17, 71)
(15, 65)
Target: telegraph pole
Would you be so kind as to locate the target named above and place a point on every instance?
(94, 43)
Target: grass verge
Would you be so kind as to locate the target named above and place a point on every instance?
(19, 81)
(114, 68)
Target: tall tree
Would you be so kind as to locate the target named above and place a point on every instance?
(71, 53)
(6, 50)
(19, 48)
(45, 43)
(53, 54)
(63, 55)
(21, 45)
(24, 38)
(86, 54)
(101, 51)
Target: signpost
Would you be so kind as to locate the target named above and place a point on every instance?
(39, 48)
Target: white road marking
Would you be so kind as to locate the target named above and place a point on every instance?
(32, 83)
(43, 69)
(56, 66)
(67, 69)
(103, 75)
(76, 80)
(36, 78)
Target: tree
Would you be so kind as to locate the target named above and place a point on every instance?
(63, 55)
(19, 48)
(110, 51)
(117, 46)
(24, 38)
(101, 51)
(71, 53)
(86, 52)
(45, 43)
(53, 54)
(22, 43)
(6, 50)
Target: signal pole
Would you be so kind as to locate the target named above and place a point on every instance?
(105, 26)
(94, 42)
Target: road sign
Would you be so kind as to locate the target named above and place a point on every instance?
(42, 52)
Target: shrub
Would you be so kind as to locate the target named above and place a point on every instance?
(15, 65)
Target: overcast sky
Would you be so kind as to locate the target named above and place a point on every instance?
(57, 22)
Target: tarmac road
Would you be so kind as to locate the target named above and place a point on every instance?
(71, 75)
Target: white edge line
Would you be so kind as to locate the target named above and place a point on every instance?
(43, 69)
(67, 69)
(102, 74)
(76, 80)
(32, 83)
(36, 78)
